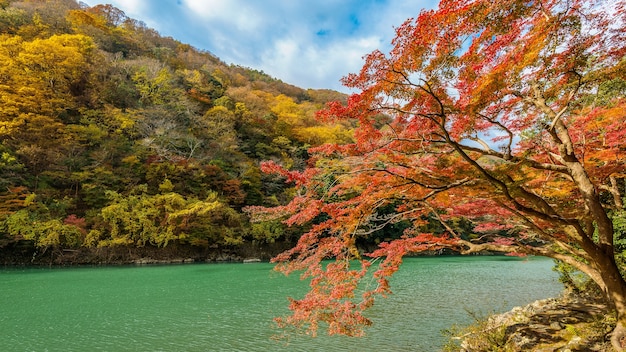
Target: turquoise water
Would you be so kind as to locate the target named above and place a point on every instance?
(229, 307)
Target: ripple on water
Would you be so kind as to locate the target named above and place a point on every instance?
(229, 307)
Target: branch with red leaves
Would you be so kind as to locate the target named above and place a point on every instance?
(506, 114)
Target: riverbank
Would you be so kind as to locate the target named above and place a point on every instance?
(572, 322)
(22, 253)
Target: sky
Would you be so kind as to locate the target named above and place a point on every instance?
(307, 43)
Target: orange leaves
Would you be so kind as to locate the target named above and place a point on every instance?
(300, 210)
(494, 122)
(330, 303)
(603, 125)
(80, 19)
(306, 213)
(331, 298)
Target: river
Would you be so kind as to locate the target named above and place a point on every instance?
(229, 307)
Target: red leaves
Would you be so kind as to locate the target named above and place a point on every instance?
(299, 178)
(505, 114)
(79, 223)
(477, 207)
(333, 297)
(504, 241)
(487, 226)
(396, 249)
(356, 109)
(331, 300)
(308, 209)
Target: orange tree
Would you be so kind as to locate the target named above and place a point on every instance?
(509, 113)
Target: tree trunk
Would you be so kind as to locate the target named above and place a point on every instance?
(614, 189)
(616, 293)
(618, 336)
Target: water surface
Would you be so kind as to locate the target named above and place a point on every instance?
(229, 307)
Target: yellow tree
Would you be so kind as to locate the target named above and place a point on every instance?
(38, 82)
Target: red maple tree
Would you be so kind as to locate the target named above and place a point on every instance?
(509, 113)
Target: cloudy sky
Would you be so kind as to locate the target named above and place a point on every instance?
(308, 43)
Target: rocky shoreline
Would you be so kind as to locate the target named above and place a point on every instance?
(569, 323)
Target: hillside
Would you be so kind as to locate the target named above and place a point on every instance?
(114, 139)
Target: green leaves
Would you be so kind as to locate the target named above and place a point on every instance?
(34, 224)
(143, 219)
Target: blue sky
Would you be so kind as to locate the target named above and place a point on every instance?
(308, 43)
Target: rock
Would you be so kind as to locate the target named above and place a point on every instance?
(559, 324)
(556, 325)
(144, 261)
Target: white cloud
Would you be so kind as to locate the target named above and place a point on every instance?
(238, 14)
(135, 7)
(319, 67)
(311, 44)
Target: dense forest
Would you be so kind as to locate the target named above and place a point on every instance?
(114, 138)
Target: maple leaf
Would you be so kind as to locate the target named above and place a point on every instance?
(539, 80)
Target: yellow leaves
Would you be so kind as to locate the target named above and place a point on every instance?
(58, 60)
(54, 232)
(197, 208)
(25, 224)
(287, 110)
(166, 186)
(548, 185)
(533, 50)
(443, 198)
(153, 219)
(89, 134)
(219, 125)
(36, 76)
(122, 120)
(192, 77)
(218, 111)
(298, 121)
(154, 87)
(38, 28)
(131, 160)
(80, 19)
(284, 105)
(316, 135)
(10, 46)
(6, 159)
(9, 127)
(293, 113)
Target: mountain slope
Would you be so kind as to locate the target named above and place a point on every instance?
(112, 136)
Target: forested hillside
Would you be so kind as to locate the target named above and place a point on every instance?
(112, 136)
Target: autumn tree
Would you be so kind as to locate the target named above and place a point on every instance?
(40, 81)
(142, 219)
(507, 113)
